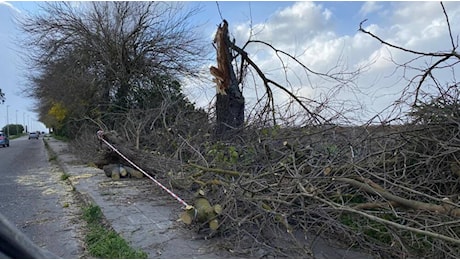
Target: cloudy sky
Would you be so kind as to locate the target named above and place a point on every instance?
(322, 35)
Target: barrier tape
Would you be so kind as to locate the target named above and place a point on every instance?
(100, 136)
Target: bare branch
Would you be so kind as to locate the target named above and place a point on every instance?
(434, 54)
(454, 47)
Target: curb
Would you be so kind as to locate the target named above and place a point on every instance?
(84, 198)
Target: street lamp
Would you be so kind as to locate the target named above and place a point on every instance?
(7, 122)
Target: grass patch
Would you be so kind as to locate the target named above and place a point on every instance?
(65, 176)
(103, 242)
(51, 154)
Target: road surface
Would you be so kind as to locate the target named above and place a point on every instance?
(35, 199)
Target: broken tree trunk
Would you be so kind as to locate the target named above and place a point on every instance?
(230, 100)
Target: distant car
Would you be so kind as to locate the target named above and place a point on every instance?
(33, 135)
(4, 141)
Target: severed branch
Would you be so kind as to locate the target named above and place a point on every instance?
(446, 208)
(377, 219)
(218, 171)
(454, 46)
(334, 76)
(433, 54)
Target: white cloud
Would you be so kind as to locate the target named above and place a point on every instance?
(306, 30)
(370, 7)
(300, 22)
(10, 6)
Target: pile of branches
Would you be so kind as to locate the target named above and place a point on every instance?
(387, 190)
(391, 191)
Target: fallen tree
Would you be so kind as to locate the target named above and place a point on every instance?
(329, 181)
(388, 190)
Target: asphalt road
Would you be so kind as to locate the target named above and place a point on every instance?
(36, 200)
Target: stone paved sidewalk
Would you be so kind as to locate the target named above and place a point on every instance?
(146, 216)
(137, 209)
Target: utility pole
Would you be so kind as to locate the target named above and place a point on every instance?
(17, 130)
(2, 99)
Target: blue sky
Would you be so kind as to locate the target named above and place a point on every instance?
(321, 34)
(346, 14)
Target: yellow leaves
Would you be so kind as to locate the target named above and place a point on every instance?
(58, 111)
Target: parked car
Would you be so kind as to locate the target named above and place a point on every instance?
(33, 135)
(4, 141)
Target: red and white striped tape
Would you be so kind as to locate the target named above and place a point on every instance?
(100, 136)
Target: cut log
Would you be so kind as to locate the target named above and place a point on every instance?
(115, 173)
(123, 171)
(108, 169)
(133, 173)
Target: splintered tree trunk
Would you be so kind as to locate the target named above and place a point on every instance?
(230, 100)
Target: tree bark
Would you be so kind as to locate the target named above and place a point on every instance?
(230, 100)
